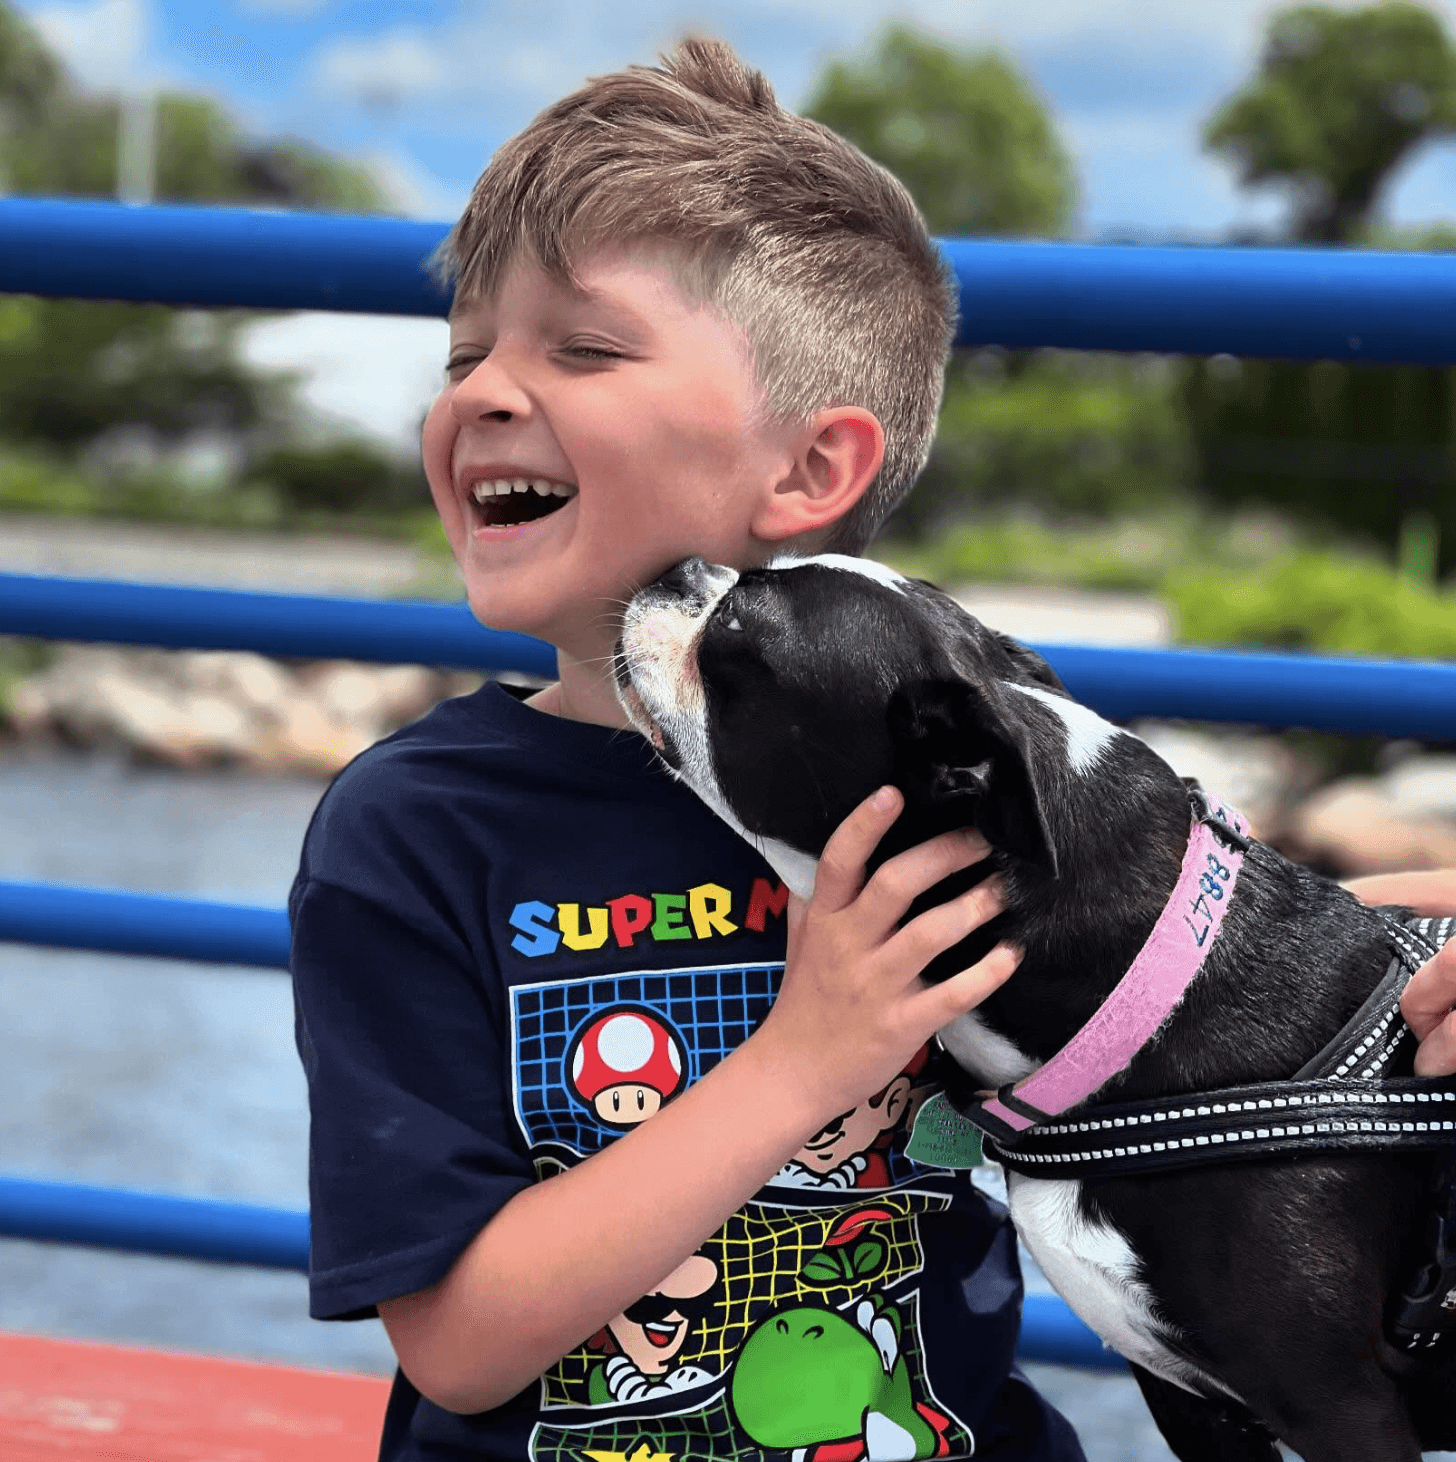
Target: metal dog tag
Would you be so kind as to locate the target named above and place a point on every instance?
(942, 1138)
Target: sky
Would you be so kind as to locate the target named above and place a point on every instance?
(425, 90)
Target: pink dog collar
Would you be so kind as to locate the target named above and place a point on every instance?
(1155, 981)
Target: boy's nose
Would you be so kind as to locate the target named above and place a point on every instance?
(489, 393)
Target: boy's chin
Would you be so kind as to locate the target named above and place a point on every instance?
(569, 629)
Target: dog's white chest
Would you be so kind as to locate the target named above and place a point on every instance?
(1092, 1267)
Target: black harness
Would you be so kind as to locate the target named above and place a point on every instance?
(1343, 1100)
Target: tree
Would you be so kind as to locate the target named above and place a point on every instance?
(981, 154)
(964, 132)
(78, 377)
(1341, 99)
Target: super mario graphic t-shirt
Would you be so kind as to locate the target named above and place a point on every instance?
(515, 939)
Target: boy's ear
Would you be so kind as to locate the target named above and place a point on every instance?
(954, 749)
(835, 457)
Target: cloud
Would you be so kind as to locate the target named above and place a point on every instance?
(1131, 83)
(413, 190)
(369, 374)
(386, 71)
(103, 44)
(285, 9)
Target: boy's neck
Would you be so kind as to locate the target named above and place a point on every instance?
(584, 692)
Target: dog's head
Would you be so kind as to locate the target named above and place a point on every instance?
(784, 696)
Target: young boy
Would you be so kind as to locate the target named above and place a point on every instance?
(686, 322)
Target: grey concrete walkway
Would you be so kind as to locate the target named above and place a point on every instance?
(320, 563)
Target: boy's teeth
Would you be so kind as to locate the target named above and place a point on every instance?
(504, 486)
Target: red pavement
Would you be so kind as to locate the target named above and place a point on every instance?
(66, 1401)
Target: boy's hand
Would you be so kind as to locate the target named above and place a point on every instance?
(1429, 998)
(852, 1009)
(1429, 1006)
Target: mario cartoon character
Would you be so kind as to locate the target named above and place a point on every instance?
(850, 1150)
(626, 1065)
(832, 1387)
(642, 1342)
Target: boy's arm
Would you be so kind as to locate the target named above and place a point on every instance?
(564, 1257)
(1429, 998)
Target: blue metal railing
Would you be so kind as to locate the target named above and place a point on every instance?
(1308, 304)
(1294, 303)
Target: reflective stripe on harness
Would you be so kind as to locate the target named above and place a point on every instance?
(1264, 1120)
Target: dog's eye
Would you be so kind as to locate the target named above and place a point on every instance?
(728, 615)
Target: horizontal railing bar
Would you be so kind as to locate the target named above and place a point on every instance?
(273, 1238)
(1339, 304)
(153, 1223)
(310, 625)
(219, 257)
(1409, 698)
(155, 925)
(1299, 304)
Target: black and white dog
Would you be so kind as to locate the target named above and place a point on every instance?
(1250, 1297)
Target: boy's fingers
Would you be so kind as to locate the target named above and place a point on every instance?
(841, 865)
(899, 881)
(1431, 993)
(944, 926)
(966, 990)
(1436, 1055)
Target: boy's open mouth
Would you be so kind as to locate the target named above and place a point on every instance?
(502, 502)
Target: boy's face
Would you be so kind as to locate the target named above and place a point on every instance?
(635, 404)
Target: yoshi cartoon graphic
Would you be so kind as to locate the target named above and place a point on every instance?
(834, 1387)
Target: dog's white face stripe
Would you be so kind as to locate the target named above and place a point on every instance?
(866, 567)
(1087, 733)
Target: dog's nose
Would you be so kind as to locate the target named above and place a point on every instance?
(687, 580)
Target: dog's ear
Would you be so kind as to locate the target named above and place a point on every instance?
(1035, 667)
(953, 747)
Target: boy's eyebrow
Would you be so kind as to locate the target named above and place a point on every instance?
(621, 315)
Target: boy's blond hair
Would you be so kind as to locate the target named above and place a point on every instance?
(818, 255)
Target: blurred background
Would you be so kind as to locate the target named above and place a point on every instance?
(1114, 499)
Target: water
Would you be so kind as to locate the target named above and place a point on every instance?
(179, 1078)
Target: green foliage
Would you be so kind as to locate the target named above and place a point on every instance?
(963, 131)
(388, 499)
(1316, 601)
(20, 658)
(1364, 449)
(1132, 552)
(1341, 98)
(79, 378)
(1060, 432)
(1228, 579)
(30, 76)
(72, 371)
(342, 478)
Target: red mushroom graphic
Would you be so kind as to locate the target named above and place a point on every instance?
(626, 1065)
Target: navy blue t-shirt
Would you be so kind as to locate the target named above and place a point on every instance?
(515, 938)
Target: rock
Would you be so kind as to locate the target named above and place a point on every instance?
(1423, 784)
(204, 707)
(261, 687)
(378, 698)
(1353, 826)
(306, 740)
(1258, 774)
(406, 692)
